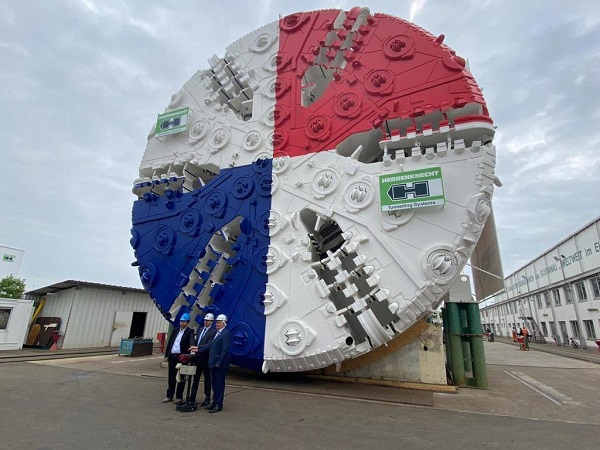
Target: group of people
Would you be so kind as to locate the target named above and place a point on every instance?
(210, 348)
(520, 332)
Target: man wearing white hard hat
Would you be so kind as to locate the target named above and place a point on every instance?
(204, 338)
(218, 361)
(180, 342)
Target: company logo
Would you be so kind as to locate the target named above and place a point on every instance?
(9, 258)
(413, 189)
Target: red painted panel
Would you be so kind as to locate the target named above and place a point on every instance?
(393, 69)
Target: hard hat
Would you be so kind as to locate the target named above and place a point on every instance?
(222, 317)
(209, 316)
(185, 317)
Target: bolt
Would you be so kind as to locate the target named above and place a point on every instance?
(277, 139)
(378, 79)
(292, 21)
(188, 221)
(317, 126)
(241, 186)
(219, 137)
(252, 139)
(397, 45)
(346, 103)
(163, 238)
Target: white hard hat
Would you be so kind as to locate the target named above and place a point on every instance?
(209, 316)
(222, 317)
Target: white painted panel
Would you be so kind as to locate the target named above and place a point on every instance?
(13, 336)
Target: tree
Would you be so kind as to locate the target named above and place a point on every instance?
(11, 287)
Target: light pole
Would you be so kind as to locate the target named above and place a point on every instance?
(537, 320)
(568, 290)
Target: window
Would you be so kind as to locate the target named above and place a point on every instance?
(569, 293)
(547, 299)
(575, 328)
(581, 292)
(544, 328)
(538, 299)
(4, 316)
(596, 286)
(590, 332)
(556, 294)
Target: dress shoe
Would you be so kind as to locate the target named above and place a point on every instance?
(215, 409)
(205, 403)
(211, 406)
(167, 400)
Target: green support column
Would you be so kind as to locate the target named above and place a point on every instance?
(454, 341)
(446, 337)
(477, 352)
(465, 338)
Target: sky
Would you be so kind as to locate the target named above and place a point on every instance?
(82, 83)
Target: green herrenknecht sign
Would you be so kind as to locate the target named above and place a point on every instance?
(415, 189)
(172, 122)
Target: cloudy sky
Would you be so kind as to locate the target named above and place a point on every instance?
(82, 82)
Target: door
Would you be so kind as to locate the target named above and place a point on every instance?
(121, 327)
(138, 325)
(553, 334)
(563, 330)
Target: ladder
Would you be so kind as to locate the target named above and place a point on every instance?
(534, 329)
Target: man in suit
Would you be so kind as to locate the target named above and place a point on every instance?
(218, 361)
(204, 338)
(179, 343)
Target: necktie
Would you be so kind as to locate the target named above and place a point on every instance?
(202, 335)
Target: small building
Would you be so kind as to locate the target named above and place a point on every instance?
(98, 315)
(14, 322)
(557, 293)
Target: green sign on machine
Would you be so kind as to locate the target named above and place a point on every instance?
(414, 189)
(172, 122)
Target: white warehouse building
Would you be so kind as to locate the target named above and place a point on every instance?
(98, 315)
(556, 295)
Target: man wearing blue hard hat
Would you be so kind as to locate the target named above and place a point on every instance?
(179, 343)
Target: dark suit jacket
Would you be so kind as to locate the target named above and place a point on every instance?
(186, 341)
(219, 350)
(204, 345)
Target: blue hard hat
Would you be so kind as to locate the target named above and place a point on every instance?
(185, 317)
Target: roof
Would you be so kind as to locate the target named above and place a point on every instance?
(68, 284)
(591, 222)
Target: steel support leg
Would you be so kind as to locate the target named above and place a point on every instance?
(477, 352)
(454, 341)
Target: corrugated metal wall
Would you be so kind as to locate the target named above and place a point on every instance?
(88, 314)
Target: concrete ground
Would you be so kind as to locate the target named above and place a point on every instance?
(537, 400)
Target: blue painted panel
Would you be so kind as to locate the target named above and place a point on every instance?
(171, 233)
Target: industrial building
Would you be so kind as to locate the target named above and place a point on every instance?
(96, 315)
(556, 295)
